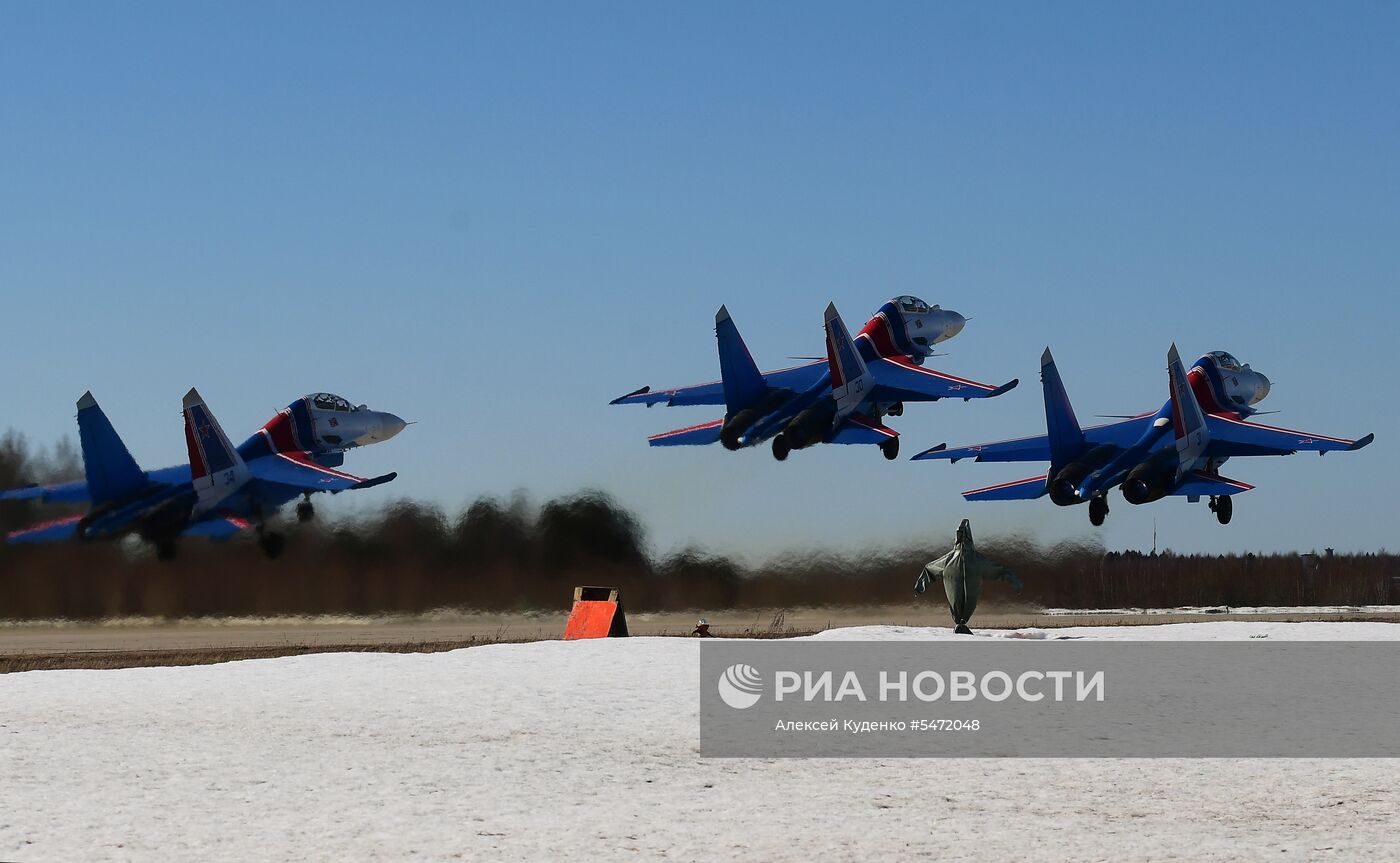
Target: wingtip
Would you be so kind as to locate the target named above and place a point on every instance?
(831, 311)
(1004, 388)
(928, 453)
(638, 392)
(378, 480)
(192, 397)
(722, 315)
(87, 401)
(1362, 442)
(1046, 358)
(1173, 356)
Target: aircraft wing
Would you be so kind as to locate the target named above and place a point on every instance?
(797, 379)
(861, 429)
(697, 435)
(1123, 433)
(897, 379)
(1237, 437)
(299, 471)
(218, 527)
(56, 530)
(66, 492)
(1198, 483)
(1021, 489)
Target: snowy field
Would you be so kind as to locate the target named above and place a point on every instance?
(587, 750)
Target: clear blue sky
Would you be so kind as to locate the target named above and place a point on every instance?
(493, 218)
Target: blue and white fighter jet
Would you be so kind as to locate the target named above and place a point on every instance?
(1176, 450)
(223, 490)
(839, 399)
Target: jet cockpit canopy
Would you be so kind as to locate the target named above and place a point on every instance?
(330, 402)
(913, 305)
(1227, 361)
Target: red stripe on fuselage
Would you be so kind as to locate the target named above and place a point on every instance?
(1205, 393)
(280, 434)
(878, 331)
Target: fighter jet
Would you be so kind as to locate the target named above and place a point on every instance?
(1177, 450)
(841, 398)
(222, 490)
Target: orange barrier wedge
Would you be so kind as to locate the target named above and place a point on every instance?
(597, 613)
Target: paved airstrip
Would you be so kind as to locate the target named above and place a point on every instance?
(147, 642)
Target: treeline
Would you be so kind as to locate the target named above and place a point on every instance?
(513, 555)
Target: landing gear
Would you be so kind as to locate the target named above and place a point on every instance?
(895, 410)
(271, 544)
(165, 550)
(305, 511)
(961, 629)
(1223, 507)
(890, 448)
(1098, 510)
(781, 448)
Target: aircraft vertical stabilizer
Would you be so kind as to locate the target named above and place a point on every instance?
(1188, 422)
(1061, 426)
(743, 382)
(851, 381)
(111, 471)
(216, 468)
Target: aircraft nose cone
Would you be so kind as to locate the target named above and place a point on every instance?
(956, 322)
(388, 426)
(1261, 390)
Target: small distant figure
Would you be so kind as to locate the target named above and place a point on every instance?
(702, 629)
(962, 571)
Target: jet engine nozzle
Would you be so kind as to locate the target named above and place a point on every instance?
(736, 426)
(1147, 482)
(1064, 489)
(807, 428)
(1062, 493)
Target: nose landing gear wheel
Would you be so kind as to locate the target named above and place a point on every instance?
(890, 448)
(165, 549)
(1098, 511)
(305, 511)
(781, 448)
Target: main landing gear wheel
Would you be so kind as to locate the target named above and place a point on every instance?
(1223, 507)
(1098, 511)
(271, 544)
(305, 511)
(890, 448)
(781, 448)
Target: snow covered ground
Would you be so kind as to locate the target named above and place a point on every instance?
(1230, 609)
(587, 750)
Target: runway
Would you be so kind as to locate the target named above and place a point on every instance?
(142, 642)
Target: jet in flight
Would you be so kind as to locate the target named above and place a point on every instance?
(841, 398)
(1177, 450)
(223, 490)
